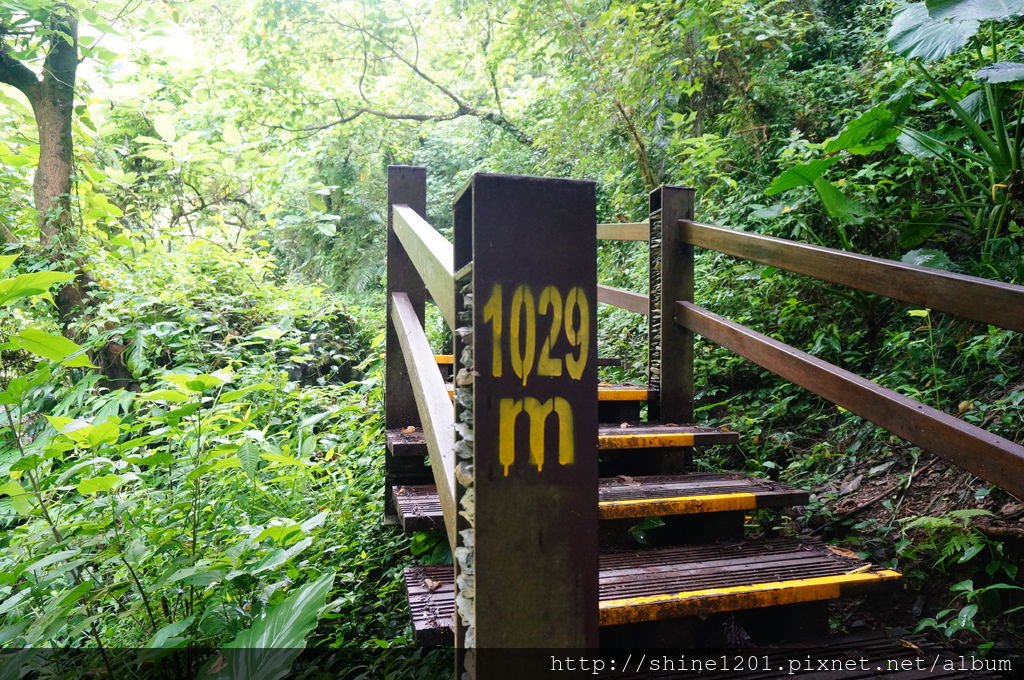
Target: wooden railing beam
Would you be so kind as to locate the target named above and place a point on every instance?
(432, 256)
(623, 231)
(988, 456)
(623, 299)
(432, 402)
(969, 297)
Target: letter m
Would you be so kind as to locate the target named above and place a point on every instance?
(537, 413)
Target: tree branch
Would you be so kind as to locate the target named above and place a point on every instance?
(464, 108)
(13, 72)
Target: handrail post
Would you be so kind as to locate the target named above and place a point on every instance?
(527, 559)
(408, 185)
(670, 346)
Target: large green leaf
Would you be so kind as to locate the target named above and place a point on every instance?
(839, 205)
(872, 131)
(51, 346)
(6, 261)
(974, 10)
(1002, 72)
(800, 175)
(25, 285)
(267, 650)
(914, 33)
(21, 500)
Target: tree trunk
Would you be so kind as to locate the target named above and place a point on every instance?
(53, 101)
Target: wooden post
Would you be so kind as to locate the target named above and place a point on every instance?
(534, 540)
(406, 185)
(670, 345)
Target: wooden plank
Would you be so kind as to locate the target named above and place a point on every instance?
(969, 297)
(623, 231)
(432, 256)
(635, 497)
(671, 267)
(988, 456)
(644, 436)
(623, 299)
(535, 414)
(432, 402)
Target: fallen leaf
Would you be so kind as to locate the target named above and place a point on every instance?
(843, 552)
(910, 645)
(431, 584)
(409, 429)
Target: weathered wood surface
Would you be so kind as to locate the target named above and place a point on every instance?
(432, 401)
(432, 256)
(623, 231)
(969, 297)
(671, 267)
(990, 457)
(535, 413)
(623, 299)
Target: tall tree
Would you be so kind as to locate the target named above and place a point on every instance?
(26, 33)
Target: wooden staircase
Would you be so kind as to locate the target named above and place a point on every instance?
(536, 473)
(678, 577)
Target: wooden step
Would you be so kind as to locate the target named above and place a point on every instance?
(419, 508)
(410, 441)
(666, 583)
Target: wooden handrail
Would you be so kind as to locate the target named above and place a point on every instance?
(988, 456)
(431, 254)
(624, 231)
(623, 299)
(969, 297)
(432, 402)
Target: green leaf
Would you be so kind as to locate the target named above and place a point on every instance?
(872, 131)
(249, 456)
(165, 395)
(914, 33)
(235, 395)
(800, 175)
(269, 333)
(25, 285)
(231, 135)
(839, 205)
(965, 618)
(283, 459)
(974, 10)
(168, 636)
(51, 346)
(6, 261)
(279, 556)
(1002, 72)
(164, 124)
(267, 650)
(926, 257)
(200, 382)
(21, 500)
(97, 484)
(156, 154)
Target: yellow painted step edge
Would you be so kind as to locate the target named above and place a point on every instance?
(679, 505)
(444, 359)
(644, 441)
(735, 598)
